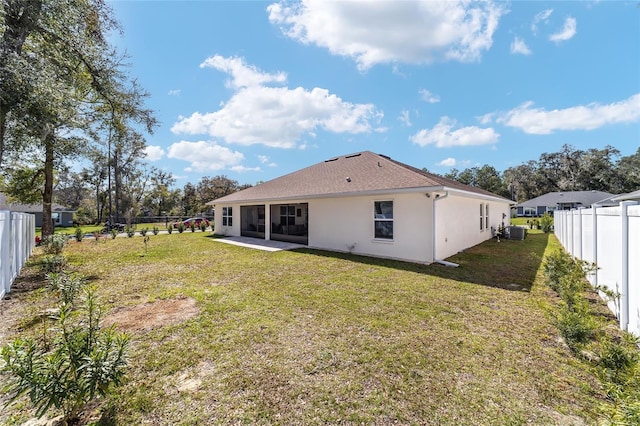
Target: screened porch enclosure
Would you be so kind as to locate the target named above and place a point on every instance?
(252, 221)
(290, 222)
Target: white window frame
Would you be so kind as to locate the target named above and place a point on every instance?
(481, 217)
(486, 216)
(377, 219)
(227, 216)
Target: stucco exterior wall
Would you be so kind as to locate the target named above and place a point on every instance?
(347, 224)
(458, 223)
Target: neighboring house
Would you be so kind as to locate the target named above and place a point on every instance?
(61, 216)
(565, 200)
(366, 204)
(631, 196)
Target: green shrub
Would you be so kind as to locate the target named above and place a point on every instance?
(53, 263)
(546, 223)
(79, 234)
(576, 324)
(181, 227)
(54, 244)
(203, 226)
(620, 360)
(143, 231)
(156, 230)
(114, 233)
(130, 231)
(67, 285)
(192, 226)
(170, 229)
(69, 369)
(555, 267)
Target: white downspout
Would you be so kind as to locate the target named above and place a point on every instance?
(435, 232)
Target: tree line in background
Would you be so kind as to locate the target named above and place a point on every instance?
(570, 169)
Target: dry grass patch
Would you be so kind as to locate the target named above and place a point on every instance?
(148, 316)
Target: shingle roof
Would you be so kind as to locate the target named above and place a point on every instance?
(552, 199)
(345, 175)
(635, 195)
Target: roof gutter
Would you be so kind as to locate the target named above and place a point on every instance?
(362, 193)
(435, 231)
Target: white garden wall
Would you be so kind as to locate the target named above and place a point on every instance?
(610, 238)
(17, 240)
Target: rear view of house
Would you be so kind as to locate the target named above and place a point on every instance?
(367, 204)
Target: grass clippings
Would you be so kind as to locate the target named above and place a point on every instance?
(314, 337)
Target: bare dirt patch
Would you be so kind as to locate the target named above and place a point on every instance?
(148, 316)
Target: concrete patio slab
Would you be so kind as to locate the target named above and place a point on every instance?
(259, 244)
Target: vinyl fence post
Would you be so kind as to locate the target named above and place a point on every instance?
(624, 257)
(594, 242)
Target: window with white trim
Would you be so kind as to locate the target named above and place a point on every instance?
(383, 220)
(486, 216)
(481, 217)
(227, 216)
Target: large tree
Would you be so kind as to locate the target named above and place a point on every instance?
(75, 89)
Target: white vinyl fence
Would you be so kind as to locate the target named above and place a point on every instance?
(17, 240)
(610, 238)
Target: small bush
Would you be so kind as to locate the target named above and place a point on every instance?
(67, 286)
(53, 263)
(619, 360)
(546, 223)
(203, 226)
(181, 227)
(170, 229)
(79, 234)
(576, 324)
(114, 233)
(555, 267)
(156, 230)
(81, 361)
(54, 244)
(130, 231)
(192, 226)
(143, 231)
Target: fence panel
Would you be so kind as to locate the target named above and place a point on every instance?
(17, 241)
(634, 269)
(609, 237)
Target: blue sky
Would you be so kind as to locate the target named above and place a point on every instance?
(255, 89)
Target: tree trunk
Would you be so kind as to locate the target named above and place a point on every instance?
(47, 195)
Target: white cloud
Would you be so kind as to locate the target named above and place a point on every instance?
(448, 162)
(374, 32)
(443, 136)
(204, 156)
(405, 118)
(242, 75)
(540, 17)
(275, 116)
(519, 46)
(174, 92)
(265, 160)
(567, 32)
(427, 96)
(243, 169)
(154, 152)
(539, 121)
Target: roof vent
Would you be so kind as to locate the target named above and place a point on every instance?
(385, 156)
(354, 155)
(348, 179)
(331, 159)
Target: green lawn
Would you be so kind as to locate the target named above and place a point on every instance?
(313, 337)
